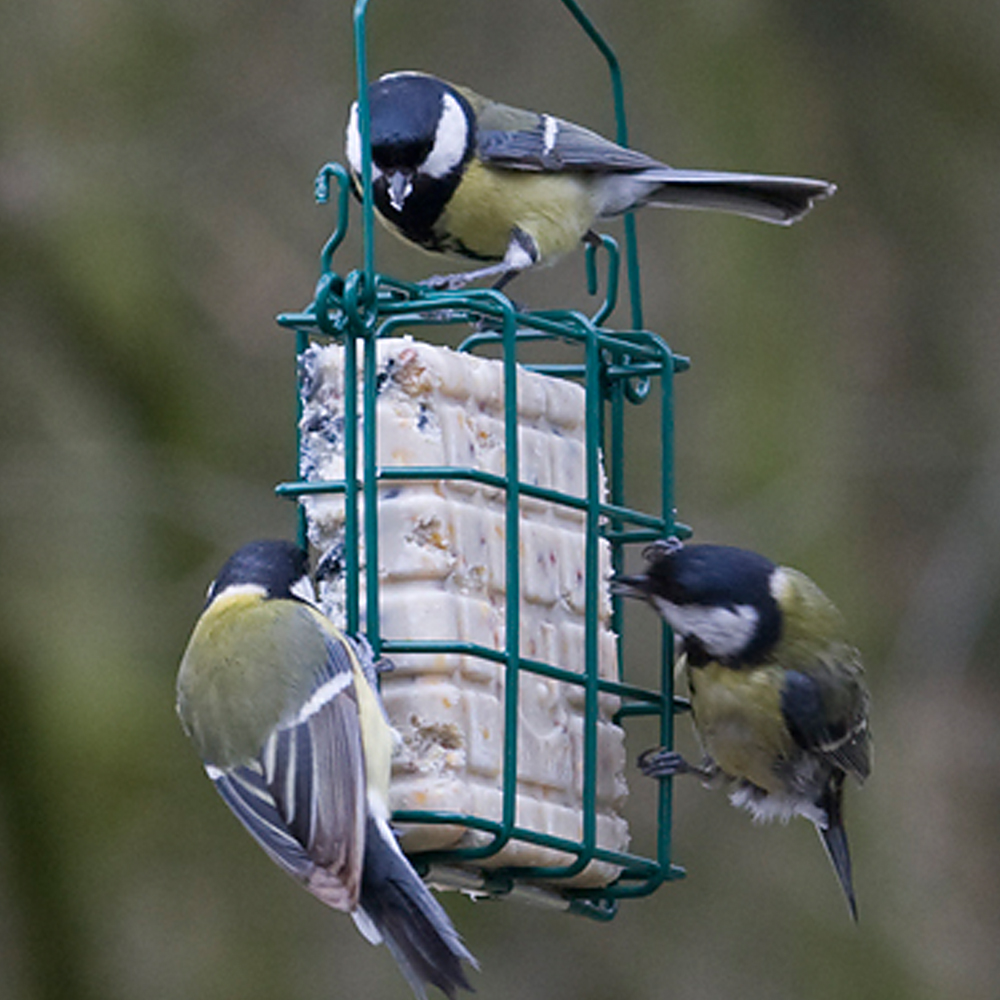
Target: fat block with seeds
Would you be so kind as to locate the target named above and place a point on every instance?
(442, 577)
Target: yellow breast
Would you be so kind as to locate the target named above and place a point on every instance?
(738, 717)
(554, 210)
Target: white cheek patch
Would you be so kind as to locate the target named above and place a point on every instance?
(353, 146)
(450, 139)
(354, 140)
(724, 632)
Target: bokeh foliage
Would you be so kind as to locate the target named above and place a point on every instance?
(842, 415)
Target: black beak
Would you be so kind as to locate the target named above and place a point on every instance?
(630, 586)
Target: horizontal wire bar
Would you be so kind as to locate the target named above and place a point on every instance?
(458, 647)
(447, 308)
(622, 859)
(435, 473)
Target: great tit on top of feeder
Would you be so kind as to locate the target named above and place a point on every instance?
(457, 173)
(777, 694)
(283, 709)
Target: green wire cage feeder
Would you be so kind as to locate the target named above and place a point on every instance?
(468, 508)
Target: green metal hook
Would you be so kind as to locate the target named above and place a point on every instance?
(614, 267)
(621, 137)
(322, 186)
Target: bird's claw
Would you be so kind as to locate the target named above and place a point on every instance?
(446, 282)
(661, 762)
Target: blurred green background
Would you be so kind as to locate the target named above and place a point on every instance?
(842, 415)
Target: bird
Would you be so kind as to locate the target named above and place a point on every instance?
(777, 691)
(284, 712)
(458, 173)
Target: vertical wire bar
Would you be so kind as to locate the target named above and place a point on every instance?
(364, 123)
(351, 532)
(595, 407)
(665, 800)
(370, 488)
(616, 451)
(301, 528)
(512, 469)
(352, 555)
(632, 266)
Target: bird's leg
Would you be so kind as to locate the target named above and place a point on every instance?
(522, 253)
(456, 282)
(660, 762)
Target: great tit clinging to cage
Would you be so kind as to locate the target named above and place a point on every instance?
(283, 709)
(777, 694)
(457, 173)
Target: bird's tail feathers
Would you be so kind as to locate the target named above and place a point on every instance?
(779, 200)
(834, 838)
(398, 908)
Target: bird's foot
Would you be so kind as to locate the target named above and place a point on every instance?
(448, 282)
(659, 762)
(502, 272)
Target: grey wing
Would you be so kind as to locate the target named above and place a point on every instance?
(247, 795)
(515, 139)
(304, 798)
(551, 144)
(829, 717)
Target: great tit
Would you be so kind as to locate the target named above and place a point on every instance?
(457, 173)
(777, 694)
(283, 710)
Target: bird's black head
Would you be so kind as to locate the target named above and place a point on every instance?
(710, 575)
(406, 111)
(281, 568)
(422, 133)
(716, 597)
